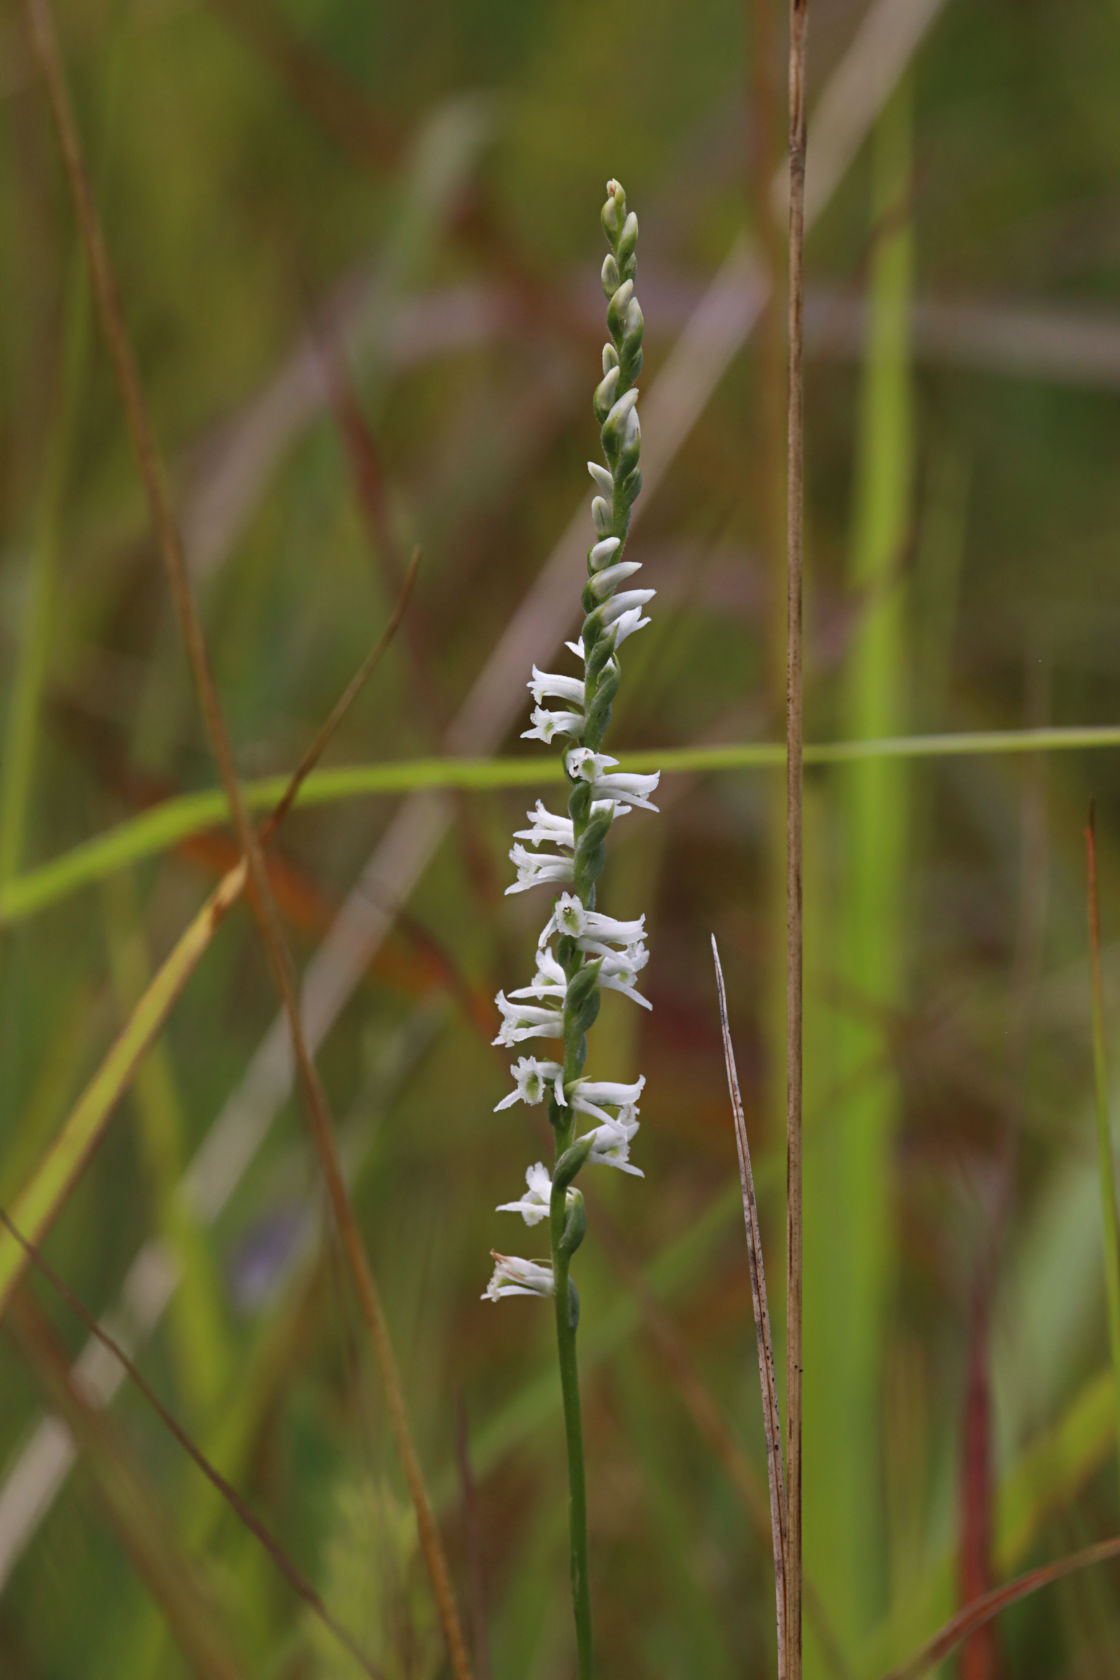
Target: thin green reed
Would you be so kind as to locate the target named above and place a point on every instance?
(1106, 1154)
(590, 950)
(847, 1206)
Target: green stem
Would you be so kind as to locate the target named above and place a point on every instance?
(566, 1319)
(1106, 1160)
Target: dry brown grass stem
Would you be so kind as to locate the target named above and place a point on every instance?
(169, 542)
(795, 487)
(771, 1413)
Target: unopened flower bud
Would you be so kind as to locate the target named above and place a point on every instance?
(613, 213)
(602, 515)
(605, 393)
(616, 309)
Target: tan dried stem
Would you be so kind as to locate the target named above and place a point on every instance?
(771, 1412)
(169, 541)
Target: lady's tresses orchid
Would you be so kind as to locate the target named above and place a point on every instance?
(533, 1206)
(524, 1020)
(534, 868)
(518, 1277)
(581, 951)
(532, 1080)
(570, 917)
(584, 765)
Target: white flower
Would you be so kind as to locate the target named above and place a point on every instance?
(533, 868)
(588, 1095)
(585, 765)
(547, 725)
(603, 551)
(602, 477)
(518, 1277)
(626, 963)
(525, 1020)
(532, 1079)
(611, 1143)
(550, 981)
(570, 917)
(620, 971)
(626, 624)
(547, 827)
(602, 583)
(622, 621)
(552, 830)
(534, 1205)
(549, 685)
(626, 602)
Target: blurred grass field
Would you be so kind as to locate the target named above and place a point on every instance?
(358, 256)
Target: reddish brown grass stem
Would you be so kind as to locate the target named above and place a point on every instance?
(795, 487)
(981, 1610)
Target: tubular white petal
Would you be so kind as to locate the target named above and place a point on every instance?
(618, 983)
(634, 789)
(535, 869)
(624, 603)
(603, 582)
(606, 1091)
(602, 478)
(514, 1276)
(626, 624)
(547, 827)
(556, 686)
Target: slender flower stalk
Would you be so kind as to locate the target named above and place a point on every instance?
(581, 951)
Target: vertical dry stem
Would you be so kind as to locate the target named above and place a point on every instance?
(771, 1416)
(795, 476)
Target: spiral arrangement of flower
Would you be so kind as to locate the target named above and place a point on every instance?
(581, 951)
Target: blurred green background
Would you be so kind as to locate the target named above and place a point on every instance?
(358, 250)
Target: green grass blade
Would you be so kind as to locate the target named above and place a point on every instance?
(42, 1197)
(847, 1292)
(199, 1334)
(1106, 1157)
(175, 820)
